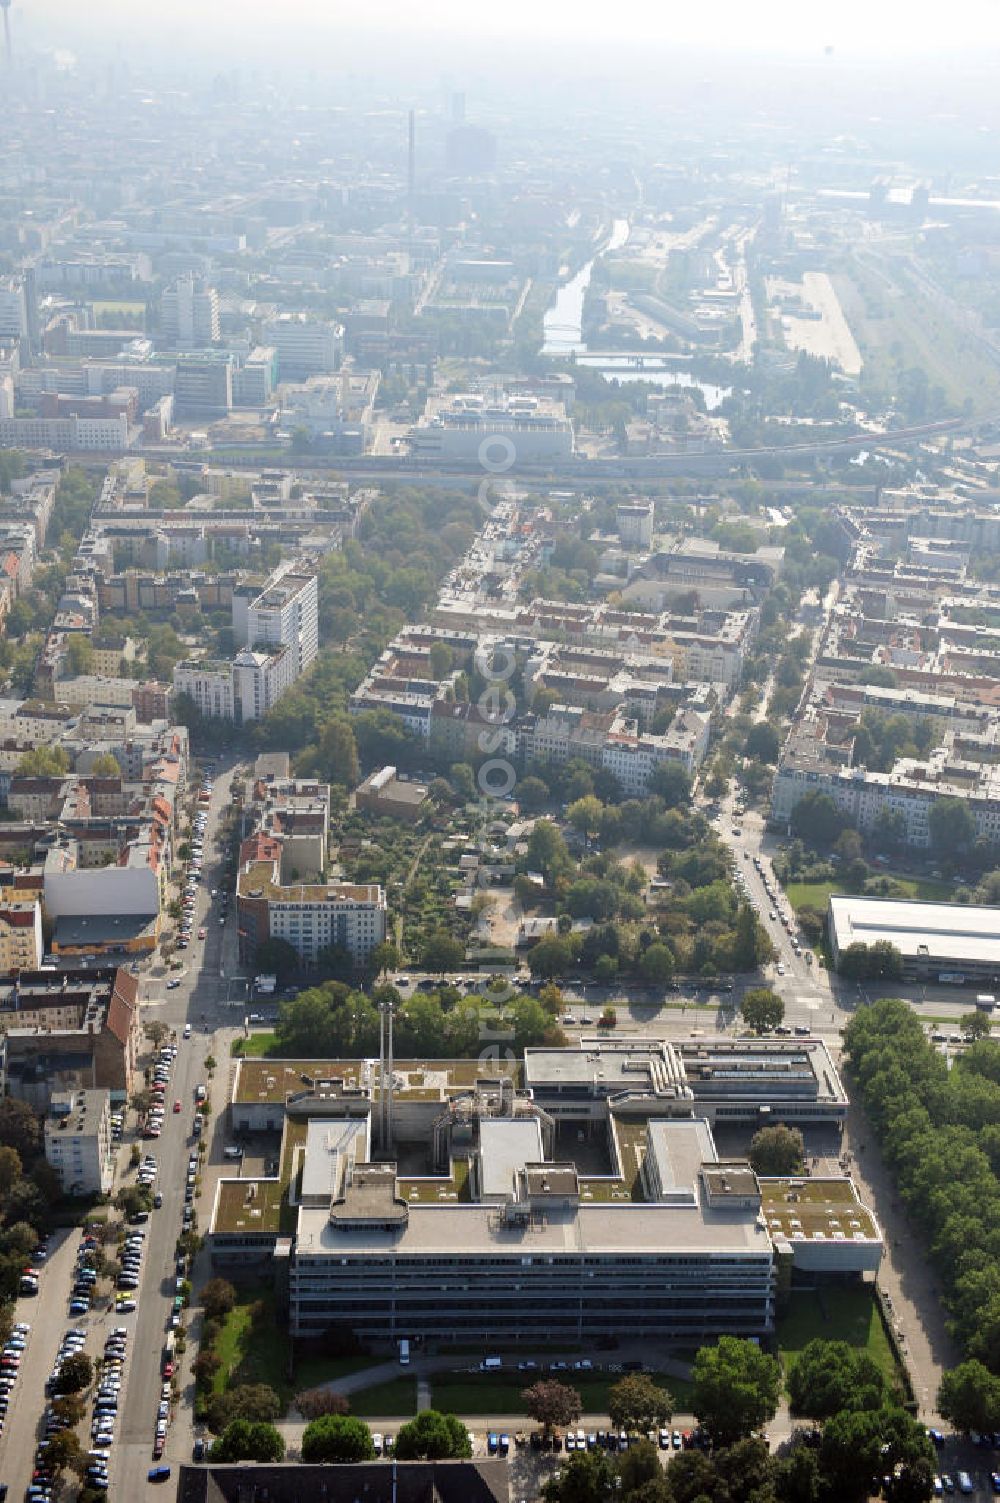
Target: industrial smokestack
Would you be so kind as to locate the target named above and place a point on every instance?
(8, 45)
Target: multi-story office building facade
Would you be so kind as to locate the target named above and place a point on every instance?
(305, 346)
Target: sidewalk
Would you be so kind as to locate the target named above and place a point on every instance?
(905, 1275)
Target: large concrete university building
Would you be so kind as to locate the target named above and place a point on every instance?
(471, 1201)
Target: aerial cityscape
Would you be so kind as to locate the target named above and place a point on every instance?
(499, 754)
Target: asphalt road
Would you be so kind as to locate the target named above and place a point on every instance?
(197, 1000)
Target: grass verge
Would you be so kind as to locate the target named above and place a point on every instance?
(252, 1351)
(849, 1315)
(310, 1372)
(396, 1397)
(817, 894)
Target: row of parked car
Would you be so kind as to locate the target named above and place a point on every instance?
(10, 1365)
(88, 1256)
(164, 1064)
(106, 1400)
(43, 1477)
(189, 901)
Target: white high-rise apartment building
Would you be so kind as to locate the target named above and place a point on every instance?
(277, 629)
(285, 613)
(189, 314)
(13, 308)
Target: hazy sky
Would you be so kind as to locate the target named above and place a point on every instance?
(852, 27)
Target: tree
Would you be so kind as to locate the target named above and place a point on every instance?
(552, 1404)
(105, 766)
(762, 743)
(79, 654)
(336, 756)
(218, 1297)
(861, 1447)
(952, 828)
(242, 1440)
(69, 1407)
(65, 1453)
(829, 1376)
(551, 957)
(547, 852)
(762, 1009)
(10, 1170)
(441, 952)
(463, 780)
(156, 1032)
(585, 815)
(969, 1397)
(433, 1437)
(879, 961)
(75, 1374)
(817, 820)
(277, 955)
(132, 1199)
(776, 1150)
(44, 762)
(589, 1478)
(656, 965)
(736, 1388)
(635, 1402)
(532, 794)
(384, 957)
(337, 1437)
(671, 782)
(205, 1366)
(640, 1464)
(441, 660)
(313, 1403)
(255, 1402)
(975, 1025)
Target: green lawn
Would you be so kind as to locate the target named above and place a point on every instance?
(488, 1393)
(817, 894)
(310, 1372)
(849, 1315)
(396, 1397)
(253, 1354)
(260, 1354)
(257, 1046)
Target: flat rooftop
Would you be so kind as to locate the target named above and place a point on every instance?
(266, 1081)
(602, 1067)
(505, 1145)
(942, 931)
(630, 1227)
(258, 882)
(809, 1209)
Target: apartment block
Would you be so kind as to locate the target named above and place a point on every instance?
(310, 916)
(21, 943)
(279, 624)
(189, 314)
(70, 1030)
(78, 1141)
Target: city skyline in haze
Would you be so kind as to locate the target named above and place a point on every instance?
(852, 29)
